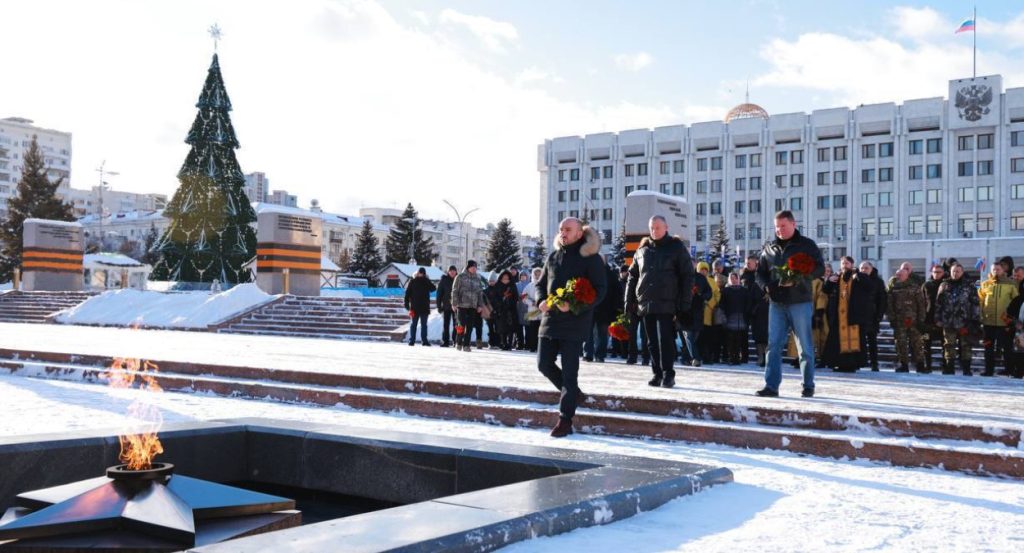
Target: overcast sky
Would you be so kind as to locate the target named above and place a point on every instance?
(379, 103)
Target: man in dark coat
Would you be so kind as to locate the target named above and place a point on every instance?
(417, 301)
(690, 329)
(596, 346)
(749, 280)
(791, 307)
(868, 310)
(562, 332)
(931, 332)
(444, 305)
(660, 289)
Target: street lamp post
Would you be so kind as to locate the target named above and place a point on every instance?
(462, 224)
(102, 171)
(412, 239)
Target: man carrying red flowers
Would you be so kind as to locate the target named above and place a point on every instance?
(565, 325)
(789, 292)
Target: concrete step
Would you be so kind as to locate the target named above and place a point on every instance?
(899, 442)
(315, 326)
(247, 328)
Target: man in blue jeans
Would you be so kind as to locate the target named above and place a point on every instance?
(790, 306)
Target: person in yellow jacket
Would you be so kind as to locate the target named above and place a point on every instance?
(705, 341)
(995, 295)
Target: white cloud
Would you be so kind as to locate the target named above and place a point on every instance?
(420, 16)
(496, 35)
(633, 62)
(920, 23)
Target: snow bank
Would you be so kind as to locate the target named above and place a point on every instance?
(164, 309)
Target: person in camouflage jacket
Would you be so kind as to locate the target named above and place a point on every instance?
(958, 312)
(906, 313)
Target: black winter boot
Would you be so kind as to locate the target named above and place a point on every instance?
(947, 367)
(966, 367)
(903, 368)
(922, 368)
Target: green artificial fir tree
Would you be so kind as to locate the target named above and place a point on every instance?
(210, 236)
(539, 255)
(618, 255)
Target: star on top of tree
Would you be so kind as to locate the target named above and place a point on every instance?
(215, 34)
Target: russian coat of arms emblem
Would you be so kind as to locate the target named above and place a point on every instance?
(972, 101)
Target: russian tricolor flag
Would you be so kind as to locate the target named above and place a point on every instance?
(980, 264)
(967, 25)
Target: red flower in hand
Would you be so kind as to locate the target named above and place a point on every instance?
(412, 314)
(963, 331)
(459, 329)
(584, 291)
(908, 322)
(801, 263)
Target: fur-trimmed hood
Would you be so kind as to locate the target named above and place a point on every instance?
(591, 242)
(647, 240)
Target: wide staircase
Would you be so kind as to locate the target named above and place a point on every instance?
(35, 307)
(325, 317)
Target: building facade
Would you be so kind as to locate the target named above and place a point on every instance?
(113, 202)
(282, 197)
(15, 136)
(257, 185)
(934, 168)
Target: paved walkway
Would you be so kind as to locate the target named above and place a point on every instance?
(976, 399)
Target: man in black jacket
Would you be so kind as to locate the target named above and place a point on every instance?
(660, 289)
(417, 301)
(444, 305)
(595, 348)
(931, 332)
(562, 332)
(790, 305)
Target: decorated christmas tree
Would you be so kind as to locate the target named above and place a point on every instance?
(618, 256)
(210, 236)
(407, 235)
(539, 255)
(366, 259)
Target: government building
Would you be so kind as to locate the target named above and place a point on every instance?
(927, 169)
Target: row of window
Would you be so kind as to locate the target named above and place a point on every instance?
(915, 172)
(740, 232)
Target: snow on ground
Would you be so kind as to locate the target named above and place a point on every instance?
(779, 501)
(164, 309)
(990, 401)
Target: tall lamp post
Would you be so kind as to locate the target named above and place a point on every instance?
(462, 224)
(102, 171)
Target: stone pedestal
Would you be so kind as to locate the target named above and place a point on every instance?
(288, 249)
(52, 258)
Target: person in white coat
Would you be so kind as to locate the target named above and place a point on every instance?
(533, 314)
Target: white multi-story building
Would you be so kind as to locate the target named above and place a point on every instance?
(256, 186)
(927, 169)
(282, 197)
(15, 136)
(88, 202)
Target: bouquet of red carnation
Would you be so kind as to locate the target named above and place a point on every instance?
(575, 296)
(908, 322)
(798, 268)
(412, 314)
(460, 330)
(619, 330)
(963, 331)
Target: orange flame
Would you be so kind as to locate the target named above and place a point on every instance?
(138, 449)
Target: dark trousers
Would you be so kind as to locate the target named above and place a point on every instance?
(596, 345)
(493, 339)
(661, 341)
(745, 345)
(635, 328)
(932, 335)
(449, 326)
(520, 337)
(996, 337)
(869, 346)
(566, 378)
(467, 318)
(420, 318)
(478, 325)
(532, 329)
(737, 346)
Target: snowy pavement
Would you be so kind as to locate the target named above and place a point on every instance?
(927, 397)
(779, 501)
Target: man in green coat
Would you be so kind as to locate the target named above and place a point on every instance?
(906, 314)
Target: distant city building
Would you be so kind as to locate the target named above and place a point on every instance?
(87, 202)
(925, 169)
(256, 186)
(282, 197)
(15, 136)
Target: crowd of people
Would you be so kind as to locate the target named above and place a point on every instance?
(677, 309)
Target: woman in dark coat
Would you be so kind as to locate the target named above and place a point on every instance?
(736, 303)
(505, 304)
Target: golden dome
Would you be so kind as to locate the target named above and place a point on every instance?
(746, 111)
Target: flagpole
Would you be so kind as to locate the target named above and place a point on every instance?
(975, 41)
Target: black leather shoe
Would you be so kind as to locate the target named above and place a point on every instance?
(807, 392)
(562, 429)
(767, 392)
(669, 381)
(656, 381)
